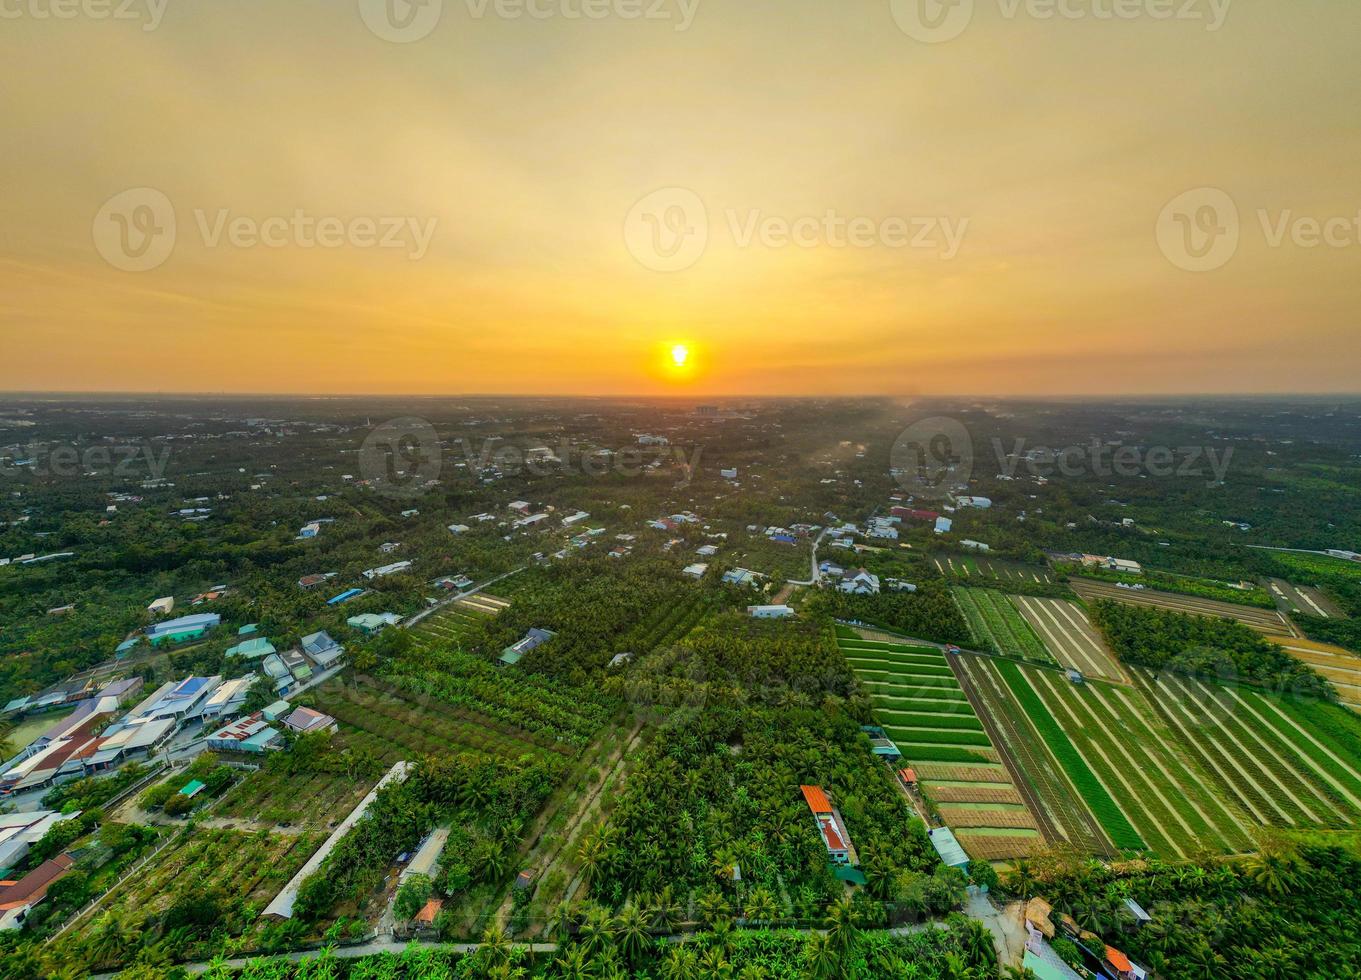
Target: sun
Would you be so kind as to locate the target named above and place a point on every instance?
(680, 354)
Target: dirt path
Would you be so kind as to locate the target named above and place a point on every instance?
(535, 853)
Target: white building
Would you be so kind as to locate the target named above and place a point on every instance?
(943, 525)
(975, 545)
(859, 582)
(982, 503)
(695, 571)
(384, 570)
(162, 606)
(769, 612)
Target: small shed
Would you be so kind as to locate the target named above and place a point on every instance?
(192, 789)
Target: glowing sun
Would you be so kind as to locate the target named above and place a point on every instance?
(680, 354)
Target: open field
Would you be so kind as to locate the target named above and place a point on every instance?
(1286, 763)
(1267, 621)
(1306, 599)
(236, 868)
(1140, 763)
(1071, 637)
(921, 705)
(1060, 809)
(992, 617)
(971, 567)
(308, 800)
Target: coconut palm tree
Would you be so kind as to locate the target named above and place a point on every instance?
(680, 963)
(575, 964)
(820, 956)
(761, 907)
(631, 932)
(843, 924)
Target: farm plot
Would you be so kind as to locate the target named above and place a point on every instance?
(395, 726)
(1057, 804)
(305, 799)
(1070, 636)
(1341, 667)
(969, 567)
(923, 708)
(1308, 564)
(236, 868)
(1280, 759)
(992, 618)
(1141, 765)
(1267, 621)
(1303, 599)
(455, 621)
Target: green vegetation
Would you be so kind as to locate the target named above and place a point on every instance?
(999, 626)
(1216, 649)
(927, 614)
(1183, 584)
(1289, 911)
(1107, 813)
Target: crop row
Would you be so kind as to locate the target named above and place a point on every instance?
(1103, 807)
(995, 620)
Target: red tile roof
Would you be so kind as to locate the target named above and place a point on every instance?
(817, 799)
(1118, 960)
(426, 916)
(32, 888)
(831, 835)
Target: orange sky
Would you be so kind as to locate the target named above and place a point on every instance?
(1050, 145)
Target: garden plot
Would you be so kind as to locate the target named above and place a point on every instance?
(270, 797)
(992, 618)
(455, 621)
(1070, 636)
(236, 869)
(396, 726)
(970, 567)
(1141, 765)
(1303, 599)
(1267, 621)
(923, 708)
(1341, 667)
(1286, 763)
(1052, 793)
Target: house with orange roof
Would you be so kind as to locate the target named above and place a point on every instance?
(830, 825)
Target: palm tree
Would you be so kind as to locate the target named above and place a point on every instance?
(665, 911)
(821, 956)
(680, 963)
(561, 920)
(842, 924)
(496, 946)
(111, 937)
(761, 907)
(712, 908)
(575, 964)
(630, 931)
(594, 932)
(714, 965)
